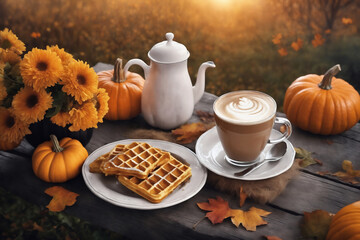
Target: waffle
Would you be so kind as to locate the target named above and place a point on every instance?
(138, 160)
(95, 166)
(160, 183)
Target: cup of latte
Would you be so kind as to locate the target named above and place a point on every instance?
(244, 121)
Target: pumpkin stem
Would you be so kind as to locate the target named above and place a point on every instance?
(119, 74)
(56, 145)
(326, 81)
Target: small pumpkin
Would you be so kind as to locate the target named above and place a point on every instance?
(322, 104)
(54, 161)
(124, 92)
(346, 223)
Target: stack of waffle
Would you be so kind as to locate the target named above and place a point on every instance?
(144, 169)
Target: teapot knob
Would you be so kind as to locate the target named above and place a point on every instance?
(169, 36)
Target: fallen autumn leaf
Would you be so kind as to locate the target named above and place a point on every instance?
(306, 158)
(349, 173)
(188, 133)
(243, 196)
(249, 219)
(61, 198)
(272, 238)
(316, 224)
(220, 210)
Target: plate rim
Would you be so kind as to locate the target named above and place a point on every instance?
(244, 178)
(148, 205)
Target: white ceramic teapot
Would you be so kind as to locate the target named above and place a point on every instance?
(168, 97)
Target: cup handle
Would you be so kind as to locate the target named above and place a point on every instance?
(139, 62)
(286, 134)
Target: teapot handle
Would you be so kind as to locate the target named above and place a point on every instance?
(139, 62)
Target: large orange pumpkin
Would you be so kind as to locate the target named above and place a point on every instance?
(322, 104)
(346, 223)
(124, 92)
(58, 162)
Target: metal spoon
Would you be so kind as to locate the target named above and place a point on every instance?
(274, 154)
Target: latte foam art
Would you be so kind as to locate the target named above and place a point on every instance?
(246, 108)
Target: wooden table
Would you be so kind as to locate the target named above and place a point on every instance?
(306, 192)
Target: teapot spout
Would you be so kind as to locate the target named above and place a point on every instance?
(199, 87)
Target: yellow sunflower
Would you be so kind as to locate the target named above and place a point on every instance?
(30, 106)
(11, 128)
(41, 69)
(65, 57)
(83, 117)
(80, 81)
(9, 41)
(9, 56)
(61, 118)
(6, 145)
(2, 65)
(3, 92)
(102, 105)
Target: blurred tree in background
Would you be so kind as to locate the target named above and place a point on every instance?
(255, 44)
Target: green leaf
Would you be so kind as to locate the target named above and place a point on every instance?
(13, 85)
(305, 157)
(52, 111)
(59, 100)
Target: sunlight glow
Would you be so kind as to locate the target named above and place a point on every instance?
(224, 3)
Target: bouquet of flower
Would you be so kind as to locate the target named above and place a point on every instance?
(45, 83)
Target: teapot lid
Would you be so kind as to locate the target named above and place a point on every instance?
(168, 51)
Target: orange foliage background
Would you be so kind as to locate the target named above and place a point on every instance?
(240, 36)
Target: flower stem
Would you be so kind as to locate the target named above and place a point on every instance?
(56, 145)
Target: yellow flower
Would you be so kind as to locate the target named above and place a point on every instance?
(65, 57)
(41, 69)
(83, 117)
(11, 128)
(6, 145)
(80, 81)
(102, 105)
(61, 118)
(9, 41)
(30, 106)
(3, 92)
(2, 65)
(9, 57)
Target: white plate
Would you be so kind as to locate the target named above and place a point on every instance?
(109, 189)
(211, 154)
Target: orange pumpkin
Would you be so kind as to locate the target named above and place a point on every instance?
(124, 92)
(322, 104)
(58, 162)
(346, 223)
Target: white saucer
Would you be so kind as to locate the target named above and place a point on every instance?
(211, 154)
(111, 190)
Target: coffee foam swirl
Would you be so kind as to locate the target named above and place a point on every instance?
(247, 107)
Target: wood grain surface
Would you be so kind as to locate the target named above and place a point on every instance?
(306, 192)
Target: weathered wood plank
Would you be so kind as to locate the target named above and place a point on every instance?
(306, 193)
(331, 150)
